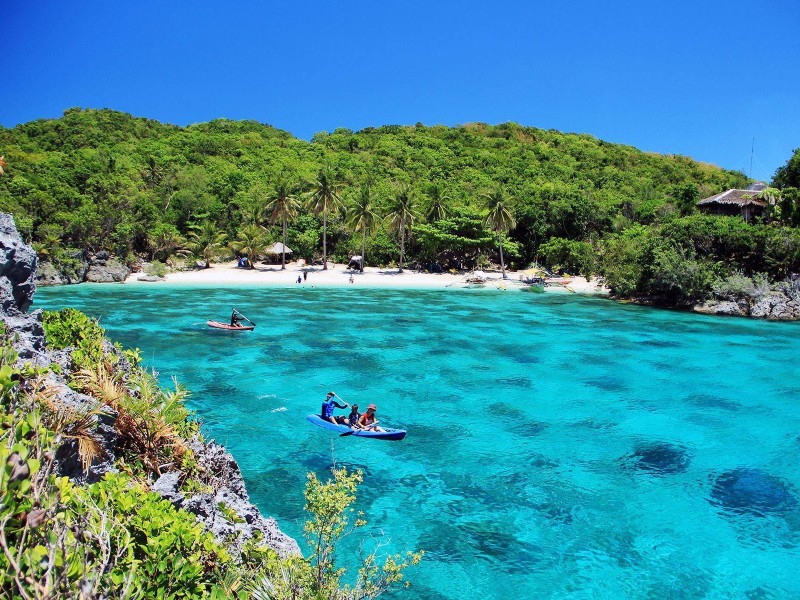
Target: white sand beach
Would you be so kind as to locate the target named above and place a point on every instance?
(338, 275)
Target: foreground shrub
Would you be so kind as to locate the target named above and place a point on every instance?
(329, 505)
(71, 328)
(156, 268)
(116, 539)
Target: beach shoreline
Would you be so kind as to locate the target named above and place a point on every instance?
(338, 275)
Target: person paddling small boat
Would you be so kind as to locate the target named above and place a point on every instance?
(368, 420)
(327, 410)
(236, 323)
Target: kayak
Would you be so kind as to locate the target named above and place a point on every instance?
(387, 434)
(219, 325)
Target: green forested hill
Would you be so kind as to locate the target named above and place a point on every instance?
(101, 179)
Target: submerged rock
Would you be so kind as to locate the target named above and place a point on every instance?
(754, 492)
(658, 459)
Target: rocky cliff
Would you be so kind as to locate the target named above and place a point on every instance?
(226, 491)
(80, 267)
(780, 303)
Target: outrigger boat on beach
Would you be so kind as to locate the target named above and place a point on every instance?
(476, 279)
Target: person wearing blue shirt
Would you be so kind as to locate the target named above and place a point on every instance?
(327, 410)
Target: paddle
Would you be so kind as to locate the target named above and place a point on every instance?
(245, 318)
(352, 431)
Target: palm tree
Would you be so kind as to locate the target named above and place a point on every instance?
(282, 205)
(252, 242)
(204, 239)
(500, 218)
(164, 241)
(323, 198)
(363, 218)
(439, 197)
(402, 216)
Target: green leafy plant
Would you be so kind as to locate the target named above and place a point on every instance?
(156, 269)
(330, 519)
(70, 328)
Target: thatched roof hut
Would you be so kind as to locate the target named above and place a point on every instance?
(736, 202)
(278, 248)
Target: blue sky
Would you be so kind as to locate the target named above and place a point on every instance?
(700, 78)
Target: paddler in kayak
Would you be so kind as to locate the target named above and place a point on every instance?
(235, 318)
(353, 417)
(368, 420)
(327, 410)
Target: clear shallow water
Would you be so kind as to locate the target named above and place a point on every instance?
(558, 446)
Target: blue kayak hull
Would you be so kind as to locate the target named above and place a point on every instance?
(387, 434)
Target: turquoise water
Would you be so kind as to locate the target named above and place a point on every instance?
(558, 446)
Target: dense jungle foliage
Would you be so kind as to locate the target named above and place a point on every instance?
(431, 197)
(117, 539)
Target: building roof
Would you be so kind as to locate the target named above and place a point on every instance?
(738, 197)
(277, 248)
(757, 186)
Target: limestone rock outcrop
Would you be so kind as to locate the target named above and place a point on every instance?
(80, 267)
(18, 266)
(777, 305)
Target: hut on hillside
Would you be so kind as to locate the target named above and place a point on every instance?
(745, 203)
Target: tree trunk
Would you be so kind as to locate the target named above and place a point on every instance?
(402, 241)
(363, 247)
(283, 253)
(502, 264)
(324, 240)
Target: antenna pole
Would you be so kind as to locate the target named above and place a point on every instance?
(752, 145)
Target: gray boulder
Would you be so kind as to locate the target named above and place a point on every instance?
(17, 269)
(777, 306)
(49, 274)
(723, 307)
(107, 271)
(72, 268)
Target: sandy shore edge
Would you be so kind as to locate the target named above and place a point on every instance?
(338, 275)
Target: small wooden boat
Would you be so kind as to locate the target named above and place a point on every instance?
(386, 434)
(559, 280)
(228, 327)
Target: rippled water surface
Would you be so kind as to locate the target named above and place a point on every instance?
(558, 446)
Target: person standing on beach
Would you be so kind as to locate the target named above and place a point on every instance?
(327, 410)
(305, 275)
